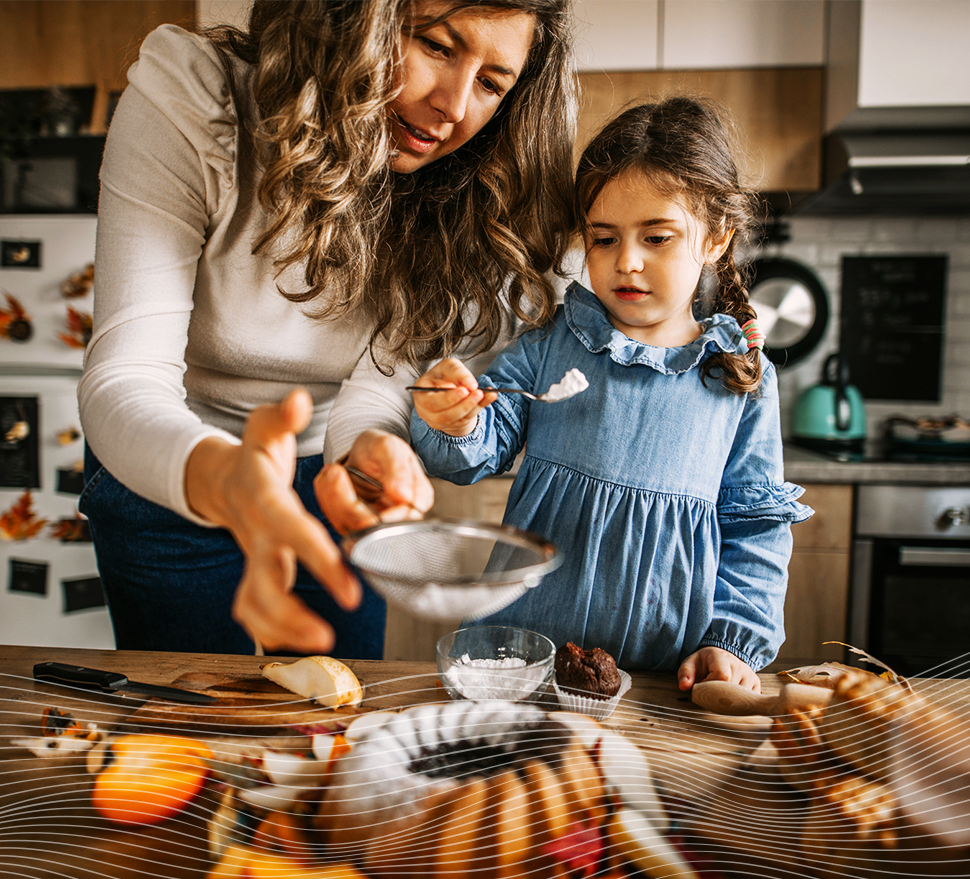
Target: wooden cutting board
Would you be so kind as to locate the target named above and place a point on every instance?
(250, 702)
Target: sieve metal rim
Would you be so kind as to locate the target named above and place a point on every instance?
(550, 554)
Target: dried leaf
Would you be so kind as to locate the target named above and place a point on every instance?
(79, 326)
(887, 674)
(20, 522)
(14, 321)
(14, 309)
(79, 284)
(827, 674)
(71, 530)
(67, 436)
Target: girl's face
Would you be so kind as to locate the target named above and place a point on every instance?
(455, 75)
(645, 253)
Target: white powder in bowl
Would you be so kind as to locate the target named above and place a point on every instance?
(509, 678)
(572, 383)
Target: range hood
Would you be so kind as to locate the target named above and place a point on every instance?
(897, 171)
(897, 109)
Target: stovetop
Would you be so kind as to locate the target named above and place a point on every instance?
(877, 453)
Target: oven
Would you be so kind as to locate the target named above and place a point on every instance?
(909, 600)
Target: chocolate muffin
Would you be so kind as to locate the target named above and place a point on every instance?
(588, 672)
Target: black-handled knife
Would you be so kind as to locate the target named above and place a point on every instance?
(112, 682)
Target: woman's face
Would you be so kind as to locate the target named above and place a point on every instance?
(455, 75)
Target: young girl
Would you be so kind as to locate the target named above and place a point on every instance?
(662, 482)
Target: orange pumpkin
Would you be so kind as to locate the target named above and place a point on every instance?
(147, 779)
(243, 862)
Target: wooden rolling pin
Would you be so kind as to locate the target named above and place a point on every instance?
(721, 697)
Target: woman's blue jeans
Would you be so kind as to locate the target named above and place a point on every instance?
(170, 583)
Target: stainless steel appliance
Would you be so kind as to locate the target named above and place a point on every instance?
(910, 588)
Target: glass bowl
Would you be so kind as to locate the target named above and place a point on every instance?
(495, 662)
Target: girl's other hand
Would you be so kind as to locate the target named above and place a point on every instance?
(715, 664)
(248, 489)
(455, 414)
(351, 505)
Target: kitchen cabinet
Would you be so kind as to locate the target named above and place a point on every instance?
(73, 43)
(698, 34)
(816, 607)
(408, 637)
(905, 54)
(778, 111)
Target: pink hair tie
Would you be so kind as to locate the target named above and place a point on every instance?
(754, 334)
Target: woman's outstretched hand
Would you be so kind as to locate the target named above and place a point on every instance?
(351, 504)
(248, 489)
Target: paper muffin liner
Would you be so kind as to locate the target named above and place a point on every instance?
(598, 709)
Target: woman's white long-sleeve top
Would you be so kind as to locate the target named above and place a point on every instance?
(190, 330)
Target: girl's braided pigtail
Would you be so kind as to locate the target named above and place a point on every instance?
(740, 373)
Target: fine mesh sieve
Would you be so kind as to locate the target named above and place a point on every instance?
(449, 569)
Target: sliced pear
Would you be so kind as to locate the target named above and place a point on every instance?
(283, 767)
(634, 838)
(627, 772)
(47, 746)
(325, 680)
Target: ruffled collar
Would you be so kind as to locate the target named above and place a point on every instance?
(588, 320)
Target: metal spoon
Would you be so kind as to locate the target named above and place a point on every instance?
(572, 383)
(528, 394)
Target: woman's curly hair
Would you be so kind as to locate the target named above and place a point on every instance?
(685, 147)
(434, 258)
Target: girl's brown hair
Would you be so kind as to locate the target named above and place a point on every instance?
(436, 257)
(684, 147)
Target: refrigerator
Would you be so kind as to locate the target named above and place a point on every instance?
(50, 593)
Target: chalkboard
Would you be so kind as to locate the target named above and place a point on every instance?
(892, 325)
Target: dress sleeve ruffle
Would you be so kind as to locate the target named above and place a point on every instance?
(776, 502)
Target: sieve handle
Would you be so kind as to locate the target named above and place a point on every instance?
(369, 480)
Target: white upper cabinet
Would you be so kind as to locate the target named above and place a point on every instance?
(914, 53)
(698, 34)
(898, 62)
(616, 34)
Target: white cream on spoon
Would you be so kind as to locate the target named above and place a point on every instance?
(572, 383)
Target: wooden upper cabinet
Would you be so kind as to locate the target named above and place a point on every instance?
(778, 111)
(763, 61)
(47, 43)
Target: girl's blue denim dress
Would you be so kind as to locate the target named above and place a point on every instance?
(666, 497)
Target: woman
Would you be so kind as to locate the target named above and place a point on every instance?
(339, 192)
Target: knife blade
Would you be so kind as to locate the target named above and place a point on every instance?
(112, 682)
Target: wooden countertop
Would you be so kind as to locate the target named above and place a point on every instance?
(46, 802)
(50, 829)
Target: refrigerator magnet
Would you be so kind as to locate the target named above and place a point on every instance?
(26, 576)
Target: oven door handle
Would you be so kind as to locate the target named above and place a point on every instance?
(933, 556)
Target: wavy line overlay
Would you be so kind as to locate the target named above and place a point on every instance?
(877, 784)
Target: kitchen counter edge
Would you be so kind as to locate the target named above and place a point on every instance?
(803, 467)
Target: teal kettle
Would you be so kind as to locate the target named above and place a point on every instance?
(830, 416)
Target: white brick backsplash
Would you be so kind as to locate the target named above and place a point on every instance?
(959, 256)
(830, 255)
(940, 231)
(895, 231)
